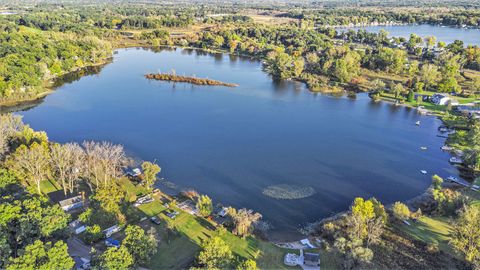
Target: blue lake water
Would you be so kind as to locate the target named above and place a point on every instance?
(442, 33)
(232, 143)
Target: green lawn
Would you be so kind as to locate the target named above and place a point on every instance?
(131, 190)
(179, 249)
(48, 186)
(429, 230)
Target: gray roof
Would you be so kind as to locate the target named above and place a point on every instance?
(311, 257)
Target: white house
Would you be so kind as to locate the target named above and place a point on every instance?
(71, 203)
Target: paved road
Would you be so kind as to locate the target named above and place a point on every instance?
(77, 248)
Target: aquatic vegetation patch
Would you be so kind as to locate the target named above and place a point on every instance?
(288, 192)
(172, 77)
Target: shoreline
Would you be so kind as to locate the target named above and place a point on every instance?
(277, 240)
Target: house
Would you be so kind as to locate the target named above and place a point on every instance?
(311, 259)
(440, 99)
(77, 227)
(71, 203)
(135, 172)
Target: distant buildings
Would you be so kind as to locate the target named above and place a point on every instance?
(470, 111)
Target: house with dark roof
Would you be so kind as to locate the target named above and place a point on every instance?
(311, 259)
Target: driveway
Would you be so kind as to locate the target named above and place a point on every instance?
(77, 248)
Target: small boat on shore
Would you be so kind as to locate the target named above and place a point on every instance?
(456, 160)
(452, 178)
(446, 148)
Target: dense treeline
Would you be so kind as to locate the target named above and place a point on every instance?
(28, 58)
(350, 16)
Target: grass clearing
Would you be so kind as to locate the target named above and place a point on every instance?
(181, 239)
(49, 186)
(431, 230)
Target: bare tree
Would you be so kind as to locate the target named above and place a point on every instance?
(243, 220)
(9, 125)
(104, 161)
(33, 162)
(66, 160)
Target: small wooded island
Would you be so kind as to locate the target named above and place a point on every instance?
(187, 79)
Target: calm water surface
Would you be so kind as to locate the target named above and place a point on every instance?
(442, 33)
(232, 143)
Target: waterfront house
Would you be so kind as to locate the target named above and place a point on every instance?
(440, 99)
(71, 203)
(135, 172)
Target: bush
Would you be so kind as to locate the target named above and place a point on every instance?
(433, 248)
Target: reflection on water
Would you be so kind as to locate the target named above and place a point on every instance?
(233, 143)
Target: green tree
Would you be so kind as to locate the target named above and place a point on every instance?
(43, 257)
(397, 89)
(115, 258)
(215, 254)
(429, 75)
(204, 205)
(437, 182)
(400, 211)
(141, 246)
(247, 265)
(93, 234)
(466, 234)
(150, 171)
(430, 41)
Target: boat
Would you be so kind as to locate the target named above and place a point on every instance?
(423, 172)
(423, 148)
(456, 160)
(443, 129)
(417, 123)
(446, 148)
(452, 179)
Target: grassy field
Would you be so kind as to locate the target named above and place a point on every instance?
(47, 186)
(181, 238)
(431, 230)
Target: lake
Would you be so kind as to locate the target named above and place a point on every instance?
(233, 143)
(447, 34)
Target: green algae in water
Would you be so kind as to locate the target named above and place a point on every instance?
(288, 192)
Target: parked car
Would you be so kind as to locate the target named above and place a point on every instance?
(110, 242)
(155, 220)
(171, 213)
